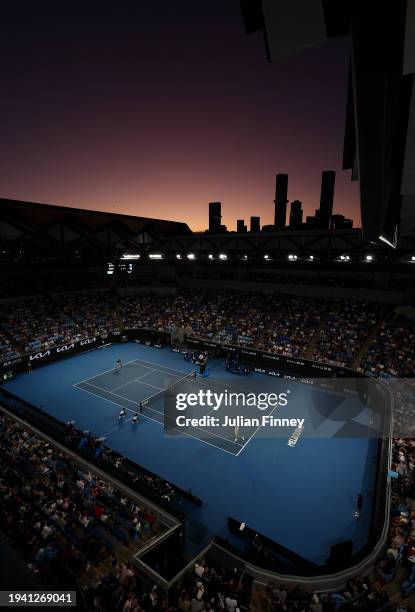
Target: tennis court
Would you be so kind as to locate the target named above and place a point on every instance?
(142, 386)
(131, 384)
(297, 488)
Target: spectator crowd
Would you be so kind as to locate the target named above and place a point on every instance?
(212, 587)
(351, 333)
(67, 523)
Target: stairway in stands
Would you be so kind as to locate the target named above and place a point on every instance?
(118, 313)
(373, 333)
(123, 552)
(260, 596)
(314, 340)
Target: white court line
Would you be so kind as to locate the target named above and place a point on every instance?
(121, 396)
(154, 386)
(147, 373)
(86, 381)
(231, 390)
(105, 391)
(153, 420)
(158, 366)
(255, 432)
(103, 398)
(138, 362)
(183, 433)
(197, 427)
(104, 372)
(134, 380)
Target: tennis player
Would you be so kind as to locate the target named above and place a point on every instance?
(122, 414)
(237, 432)
(119, 364)
(135, 418)
(202, 363)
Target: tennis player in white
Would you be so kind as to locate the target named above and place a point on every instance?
(237, 432)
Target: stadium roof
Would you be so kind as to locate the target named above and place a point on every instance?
(48, 231)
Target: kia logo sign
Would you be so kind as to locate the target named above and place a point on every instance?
(87, 341)
(65, 347)
(39, 355)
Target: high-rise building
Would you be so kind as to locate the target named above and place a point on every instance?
(296, 214)
(326, 198)
(255, 224)
(340, 222)
(240, 226)
(215, 217)
(281, 190)
(311, 222)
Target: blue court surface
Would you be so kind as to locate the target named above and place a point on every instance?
(301, 496)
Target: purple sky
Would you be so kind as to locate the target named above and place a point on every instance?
(158, 110)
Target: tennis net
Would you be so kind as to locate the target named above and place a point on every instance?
(173, 386)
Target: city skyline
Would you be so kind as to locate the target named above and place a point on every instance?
(102, 118)
(288, 214)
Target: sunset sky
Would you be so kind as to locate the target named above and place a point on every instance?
(158, 110)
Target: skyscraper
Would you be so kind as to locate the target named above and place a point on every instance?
(340, 222)
(281, 190)
(326, 198)
(255, 224)
(296, 214)
(215, 217)
(240, 226)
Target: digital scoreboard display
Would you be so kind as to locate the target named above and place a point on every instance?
(122, 267)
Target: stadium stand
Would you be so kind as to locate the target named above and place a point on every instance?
(347, 327)
(392, 352)
(68, 523)
(294, 323)
(35, 324)
(334, 330)
(76, 528)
